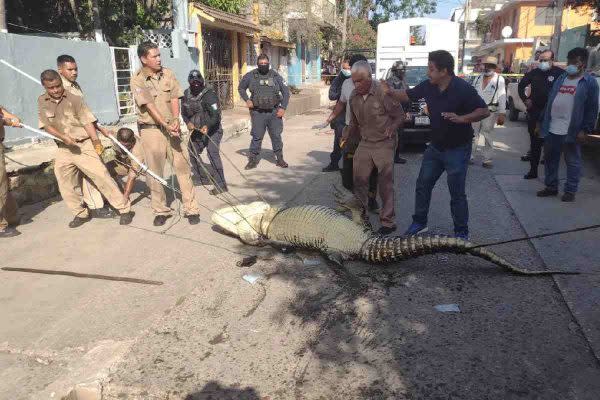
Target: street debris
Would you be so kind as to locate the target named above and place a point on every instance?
(247, 261)
(310, 262)
(447, 308)
(252, 278)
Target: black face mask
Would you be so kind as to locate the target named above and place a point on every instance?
(196, 87)
(399, 73)
(263, 69)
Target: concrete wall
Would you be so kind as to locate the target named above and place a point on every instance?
(33, 54)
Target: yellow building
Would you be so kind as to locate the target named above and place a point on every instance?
(532, 24)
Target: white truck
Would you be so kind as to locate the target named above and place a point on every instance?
(411, 40)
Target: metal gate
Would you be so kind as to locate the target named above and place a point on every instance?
(122, 61)
(217, 64)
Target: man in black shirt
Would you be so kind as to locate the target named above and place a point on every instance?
(453, 105)
(541, 80)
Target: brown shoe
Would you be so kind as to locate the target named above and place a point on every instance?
(252, 163)
(281, 163)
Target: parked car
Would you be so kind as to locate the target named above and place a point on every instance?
(417, 126)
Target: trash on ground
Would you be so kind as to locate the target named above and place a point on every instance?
(252, 278)
(309, 262)
(247, 261)
(447, 308)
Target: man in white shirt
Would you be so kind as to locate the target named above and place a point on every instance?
(492, 89)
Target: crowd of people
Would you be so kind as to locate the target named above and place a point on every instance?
(90, 177)
(562, 109)
(367, 121)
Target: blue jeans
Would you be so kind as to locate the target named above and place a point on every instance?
(554, 145)
(455, 162)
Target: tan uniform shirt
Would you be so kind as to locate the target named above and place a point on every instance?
(72, 87)
(116, 160)
(374, 113)
(67, 115)
(1, 125)
(158, 89)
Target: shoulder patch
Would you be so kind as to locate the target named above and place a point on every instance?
(214, 106)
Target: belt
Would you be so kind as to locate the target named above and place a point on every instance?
(149, 126)
(261, 110)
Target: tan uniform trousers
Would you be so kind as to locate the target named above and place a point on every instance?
(158, 149)
(68, 168)
(378, 155)
(8, 205)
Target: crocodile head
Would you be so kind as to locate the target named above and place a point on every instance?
(249, 222)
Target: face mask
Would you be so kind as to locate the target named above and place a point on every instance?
(346, 73)
(399, 74)
(263, 69)
(196, 87)
(544, 65)
(572, 69)
(488, 72)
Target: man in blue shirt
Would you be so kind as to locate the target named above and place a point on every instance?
(453, 106)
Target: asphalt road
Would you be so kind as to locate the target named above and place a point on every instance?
(301, 331)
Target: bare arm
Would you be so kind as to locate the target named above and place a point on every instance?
(475, 116)
(337, 110)
(129, 185)
(65, 138)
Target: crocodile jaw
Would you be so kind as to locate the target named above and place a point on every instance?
(244, 221)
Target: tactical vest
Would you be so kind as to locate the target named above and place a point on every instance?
(265, 93)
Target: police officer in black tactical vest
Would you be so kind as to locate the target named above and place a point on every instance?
(269, 97)
(200, 111)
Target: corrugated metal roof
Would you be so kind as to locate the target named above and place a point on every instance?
(228, 18)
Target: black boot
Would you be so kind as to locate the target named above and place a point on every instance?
(281, 162)
(252, 163)
(532, 174)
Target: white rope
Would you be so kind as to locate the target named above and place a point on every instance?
(141, 164)
(19, 71)
(40, 132)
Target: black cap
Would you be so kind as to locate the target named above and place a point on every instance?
(195, 75)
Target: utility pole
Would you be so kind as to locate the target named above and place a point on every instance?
(559, 5)
(96, 19)
(3, 28)
(466, 20)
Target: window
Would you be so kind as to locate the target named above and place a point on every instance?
(544, 16)
(417, 35)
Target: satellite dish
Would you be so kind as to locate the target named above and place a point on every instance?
(507, 32)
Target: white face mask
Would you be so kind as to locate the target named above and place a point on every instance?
(488, 72)
(346, 72)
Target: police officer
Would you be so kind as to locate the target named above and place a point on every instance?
(396, 81)
(269, 97)
(8, 206)
(66, 116)
(200, 111)
(157, 93)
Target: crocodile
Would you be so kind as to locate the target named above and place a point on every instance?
(341, 238)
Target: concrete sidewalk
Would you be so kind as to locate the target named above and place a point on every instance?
(573, 252)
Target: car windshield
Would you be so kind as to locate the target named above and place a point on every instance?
(415, 75)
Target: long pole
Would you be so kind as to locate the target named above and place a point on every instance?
(466, 19)
(558, 13)
(3, 28)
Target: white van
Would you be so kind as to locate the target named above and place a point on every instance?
(411, 40)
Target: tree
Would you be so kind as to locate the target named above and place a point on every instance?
(122, 21)
(379, 11)
(361, 34)
(231, 6)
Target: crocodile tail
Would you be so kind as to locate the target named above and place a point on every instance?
(382, 249)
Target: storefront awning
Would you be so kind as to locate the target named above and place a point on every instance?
(488, 47)
(223, 20)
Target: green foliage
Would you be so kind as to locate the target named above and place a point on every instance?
(483, 24)
(381, 11)
(122, 21)
(361, 35)
(231, 6)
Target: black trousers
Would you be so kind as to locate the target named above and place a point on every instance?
(536, 142)
(348, 175)
(400, 144)
(198, 143)
(336, 154)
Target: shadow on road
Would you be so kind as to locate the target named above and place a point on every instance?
(214, 390)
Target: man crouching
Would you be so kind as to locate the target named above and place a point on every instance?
(376, 118)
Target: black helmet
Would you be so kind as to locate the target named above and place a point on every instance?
(399, 65)
(195, 75)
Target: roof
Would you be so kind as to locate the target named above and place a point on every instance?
(213, 17)
(277, 42)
